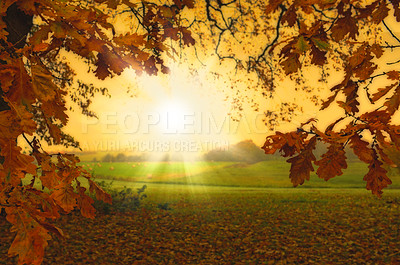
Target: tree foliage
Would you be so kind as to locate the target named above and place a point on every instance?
(342, 35)
(35, 83)
(350, 39)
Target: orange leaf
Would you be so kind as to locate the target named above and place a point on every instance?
(377, 50)
(393, 75)
(380, 13)
(302, 164)
(360, 149)
(272, 6)
(65, 196)
(133, 39)
(318, 56)
(42, 83)
(393, 103)
(381, 92)
(31, 238)
(395, 4)
(332, 162)
(343, 26)
(16, 163)
(376, 177)
(291, 64)
(85, 204)
(21, 89)
(187, 37)
(290, 16)
(100, 193)
(40, 47)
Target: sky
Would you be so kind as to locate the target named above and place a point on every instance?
(190, 111)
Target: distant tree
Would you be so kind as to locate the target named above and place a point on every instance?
(121, 157)
(108, 158)
(244, 151)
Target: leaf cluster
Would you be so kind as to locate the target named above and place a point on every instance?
(35, 83)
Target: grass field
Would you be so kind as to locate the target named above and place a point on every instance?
(272, 174)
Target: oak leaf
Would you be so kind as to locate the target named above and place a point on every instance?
(272, 6)
(392, 104)
(395, 4)
(31, 238)
(376, 177)
(332, 162)
(382, 92)
(187, 37)
(377, 50)
(318, 56)
(361, 149)
(301, 165)
(302, 45)
(65, 197)
(290, 16)
(346, 25)
(291, 64)
(42, 83)
(393, 75)
(100, 193)
(380, 13)
(85, 204)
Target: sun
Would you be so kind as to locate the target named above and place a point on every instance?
(173, 115)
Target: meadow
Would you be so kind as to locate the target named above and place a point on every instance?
(266, 174)
(230, 213)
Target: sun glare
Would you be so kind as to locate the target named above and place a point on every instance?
(173, 114)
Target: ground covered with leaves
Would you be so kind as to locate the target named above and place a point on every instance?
(235, 227)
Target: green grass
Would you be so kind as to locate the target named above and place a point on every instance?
(267, 174)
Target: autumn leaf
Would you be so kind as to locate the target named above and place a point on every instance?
(346, 25)
(39, 36)
(85, 203)
(21, 89)
(377, 50)
(330, 99)
(361, 149)
(351, 93)
(183, 3)
(31, 238)
(318, 56)
(291, 64)
(272, 6)
(43, 85)
(16, 163)
(392, 104)
(133, 39)
(332, 162)
(395, 4)
(301, 165)
(376, 177)
(290, 16)
(187, 37)
(302, 45)
(101, 71)
(65, 196)
(322, 45)
(100, 193)
(382, 92)
(393, 75)
(380, 13)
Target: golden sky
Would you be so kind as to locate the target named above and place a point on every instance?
(189, 111)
